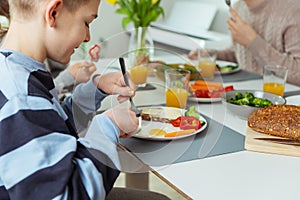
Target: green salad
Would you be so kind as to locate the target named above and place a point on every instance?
(249, 99)
(226, 68)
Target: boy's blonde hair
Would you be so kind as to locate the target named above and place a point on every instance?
(27, 7)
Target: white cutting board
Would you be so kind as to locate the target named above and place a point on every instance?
(267, 146)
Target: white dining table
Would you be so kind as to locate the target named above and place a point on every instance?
(235, 176)
(243, 175)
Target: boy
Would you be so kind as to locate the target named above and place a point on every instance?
(40, 155)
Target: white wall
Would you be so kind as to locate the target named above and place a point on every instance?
(219, 24)
(108, 25)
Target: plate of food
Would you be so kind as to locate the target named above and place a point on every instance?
(170, 123)
(207, 91)
(225, 67)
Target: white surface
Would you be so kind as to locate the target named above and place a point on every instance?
(242, 175)
(204, 100)
(109, 23)
(210, 39)
(293, 100)
(187, 18)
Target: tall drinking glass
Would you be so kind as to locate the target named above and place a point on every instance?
(207, 62)
(274, 78)
(177, 85)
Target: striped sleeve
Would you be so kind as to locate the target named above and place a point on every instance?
(39, 156)
(47, 159)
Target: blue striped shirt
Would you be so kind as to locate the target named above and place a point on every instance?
(40, 154)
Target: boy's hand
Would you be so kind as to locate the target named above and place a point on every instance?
(82, 71)
(113, 83)
(125, 119)
(241, 32)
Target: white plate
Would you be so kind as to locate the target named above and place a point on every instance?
(204, 100)
(222, 63)
(293, 100)
(166, 112)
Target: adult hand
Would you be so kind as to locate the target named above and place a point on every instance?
(82, 71)
(125, 119)
(241, 32)
(193, 54)
(113, 83)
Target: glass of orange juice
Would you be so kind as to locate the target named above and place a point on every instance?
(274, 78)
(207, 62)
(138, 74)
(177, 85)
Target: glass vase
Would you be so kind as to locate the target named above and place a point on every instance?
(141, 48)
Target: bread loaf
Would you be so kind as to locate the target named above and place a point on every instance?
(277, 120)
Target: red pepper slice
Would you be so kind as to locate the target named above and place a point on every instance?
(229, 88)
(94, 52)
(176, 122)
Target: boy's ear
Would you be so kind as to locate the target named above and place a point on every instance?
(53, 9)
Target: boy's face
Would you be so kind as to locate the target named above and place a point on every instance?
(70, 31)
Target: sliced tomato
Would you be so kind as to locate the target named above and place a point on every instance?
(189, 122)
(212, 93)
(186, 122)
(216, 94)
(202, 93)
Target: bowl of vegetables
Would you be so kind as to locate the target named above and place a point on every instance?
(242, 102)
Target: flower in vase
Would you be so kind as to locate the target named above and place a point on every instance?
(140, 13)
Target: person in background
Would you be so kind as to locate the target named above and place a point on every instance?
(264, 32)
(40, 152)
(79, 72)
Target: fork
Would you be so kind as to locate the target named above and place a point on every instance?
(228, 2)
(123, 68)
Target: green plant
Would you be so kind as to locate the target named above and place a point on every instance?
(140, 12)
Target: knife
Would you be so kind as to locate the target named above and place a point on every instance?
(281, 141)
(291, 93)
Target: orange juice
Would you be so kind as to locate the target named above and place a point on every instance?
(176, 97)
(275, 88)
(207, 68)
(138, 74)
